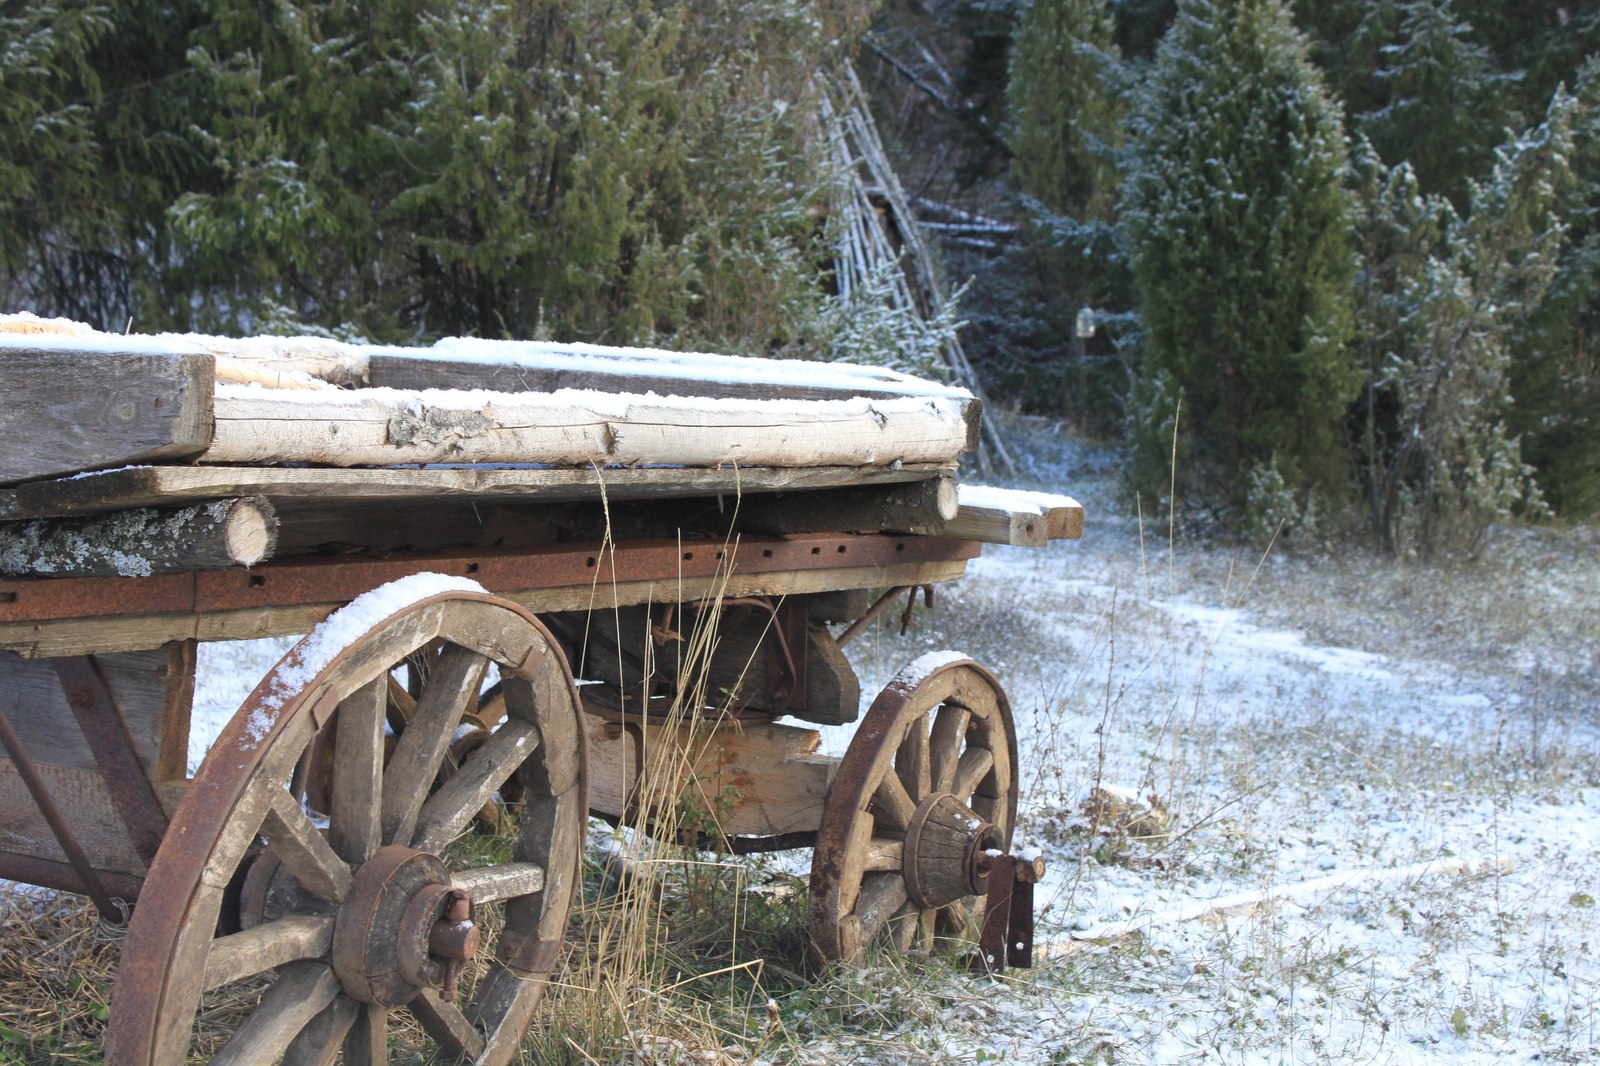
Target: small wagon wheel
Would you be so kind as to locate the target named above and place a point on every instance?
(360, 920)
(925, 790)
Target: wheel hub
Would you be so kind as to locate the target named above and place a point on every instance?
(947, 851)
(402, 928)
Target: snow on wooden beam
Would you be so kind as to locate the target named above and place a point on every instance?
(142, 542)
(1012, 516)
(387, 427)
(65, 410)
(83, 400)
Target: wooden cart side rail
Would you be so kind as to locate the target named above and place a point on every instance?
(67, 616)
(156, 486)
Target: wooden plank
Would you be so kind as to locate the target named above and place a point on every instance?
(142, 541)
(369, 427)
(1011, 516)
(82, 636)
(546, 368)
(82, 798)
(148, 486)
(138, 682)
(747, 778)
(69, 406)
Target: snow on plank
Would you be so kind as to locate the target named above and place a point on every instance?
(649, 407)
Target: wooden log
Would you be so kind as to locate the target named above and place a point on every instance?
(378, 427)
(143, 541)
(69, 405)
(301, 487)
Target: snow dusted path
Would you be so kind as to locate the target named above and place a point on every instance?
(1421, 838)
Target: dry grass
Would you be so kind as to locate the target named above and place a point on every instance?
(57, 963)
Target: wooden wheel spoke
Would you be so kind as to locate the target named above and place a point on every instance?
(357, 788)
(449, 1027)
(319, 1042)
(960, 919)
(892, 805)
(884, 855)
(488, 884)
(304, 851)
(882, 896)
(930, 734)
(949, 731)
(243, 843)
(973, 767)
(911, 762)
(448, 811)
(452, 689)
(399, 706)
(240, 955)
(367, 1042)
(299, 994)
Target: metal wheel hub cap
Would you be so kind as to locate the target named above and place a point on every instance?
(402, 928)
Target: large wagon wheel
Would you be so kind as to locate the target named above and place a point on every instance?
(362, 919)
(926, 789)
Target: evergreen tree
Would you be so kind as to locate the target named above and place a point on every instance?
(1237, 223)
(1064, 113)
(1440, 462)
(1444, 112)
(1555, 354)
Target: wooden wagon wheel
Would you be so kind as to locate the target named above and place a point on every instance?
(925, 790)
(359, 920)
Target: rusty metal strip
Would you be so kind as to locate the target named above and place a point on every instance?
(996, 916)
(307, 580)
(131, 792)
(88, 878)
(46, 873)
(1019, 927)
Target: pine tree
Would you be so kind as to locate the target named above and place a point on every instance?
(1444, 110)
(1064, 112)
(1237, 223)
(1555, 354)
(1440, 460)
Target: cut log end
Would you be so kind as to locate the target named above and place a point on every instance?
(250, 531)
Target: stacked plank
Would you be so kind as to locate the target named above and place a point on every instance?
(157, 429)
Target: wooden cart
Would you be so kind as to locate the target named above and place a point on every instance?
(695, 539)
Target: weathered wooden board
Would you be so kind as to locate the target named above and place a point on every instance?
(379, 427)
(744, 779)
(619, 370)
(1009, 516)
(85, 802)
(64, 409)
(37, 707)
(148, 486)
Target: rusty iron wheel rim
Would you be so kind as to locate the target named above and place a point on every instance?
(918, 728)
(240, 797)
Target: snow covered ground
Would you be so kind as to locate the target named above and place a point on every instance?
(1410, 843)
(1392, 786)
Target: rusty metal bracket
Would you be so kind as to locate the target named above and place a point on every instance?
(131, 792)
(1007, 936)
(909, 614)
